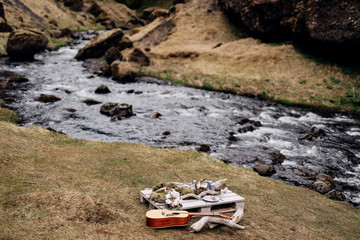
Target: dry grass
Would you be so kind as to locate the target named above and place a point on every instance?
(54, 187)
(246, 66)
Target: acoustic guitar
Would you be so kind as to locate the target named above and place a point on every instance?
(163, 218)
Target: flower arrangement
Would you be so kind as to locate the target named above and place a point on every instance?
(173, 200)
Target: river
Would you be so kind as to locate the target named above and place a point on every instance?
(191, 117)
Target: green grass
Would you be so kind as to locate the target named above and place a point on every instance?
(335, 80)
(302, 81)
(8, 115)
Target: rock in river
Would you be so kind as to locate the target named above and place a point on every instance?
(98, 46)
(123, 71)
(118, 110)
(90, 101)
(203, 148)
(24, 44)
(320, 187)
(46, 98)
(264, 169)
(102, 89)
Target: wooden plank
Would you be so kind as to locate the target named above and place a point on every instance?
(229, 202)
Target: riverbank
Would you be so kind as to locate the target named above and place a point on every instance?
(203, 49)
(60, 188)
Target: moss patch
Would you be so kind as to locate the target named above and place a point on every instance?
(8, 115)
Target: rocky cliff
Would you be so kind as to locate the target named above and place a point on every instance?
(330, 24)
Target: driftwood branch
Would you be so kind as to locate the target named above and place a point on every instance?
(191, 195)
(214, 221)
(235, 218)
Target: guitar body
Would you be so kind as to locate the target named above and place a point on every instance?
(162, 218)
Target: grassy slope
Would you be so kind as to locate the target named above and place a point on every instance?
(247, 66)
(8, 115)
(54, 187)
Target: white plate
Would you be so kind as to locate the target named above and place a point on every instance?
(211, 198)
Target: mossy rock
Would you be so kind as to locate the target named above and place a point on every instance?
(171, 185)
(7, 115)
(158, 197)
(185, 190)
(2, 104)
(158, 186)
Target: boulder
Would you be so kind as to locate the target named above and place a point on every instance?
(246, 128)
(264, 169)
(140, 57)
(332, 24)
(333, 20)
(314, 133)
(320, 187)
(106, 70)
(117, 110)
(150, 14)
(113, 54)
(261, 18)
(277, 157)
(105, 20)
(95, 10)
(123, 71)
(326, 179)
(75, 5)
(24, 44)
(102, 89)
(333, 194)
(46, 98)
(125, 43)
(4, 26)
(90, 101)
(203, 148)
(119, 15)
(18, 79)
(98, 46)
(66, 32)
(167, 132)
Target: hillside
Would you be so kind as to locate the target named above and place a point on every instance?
(54, 187)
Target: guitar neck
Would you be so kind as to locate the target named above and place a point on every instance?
(210, 214)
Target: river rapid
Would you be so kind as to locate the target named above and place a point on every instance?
(191, 117)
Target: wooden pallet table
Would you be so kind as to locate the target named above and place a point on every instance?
(229, 202)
